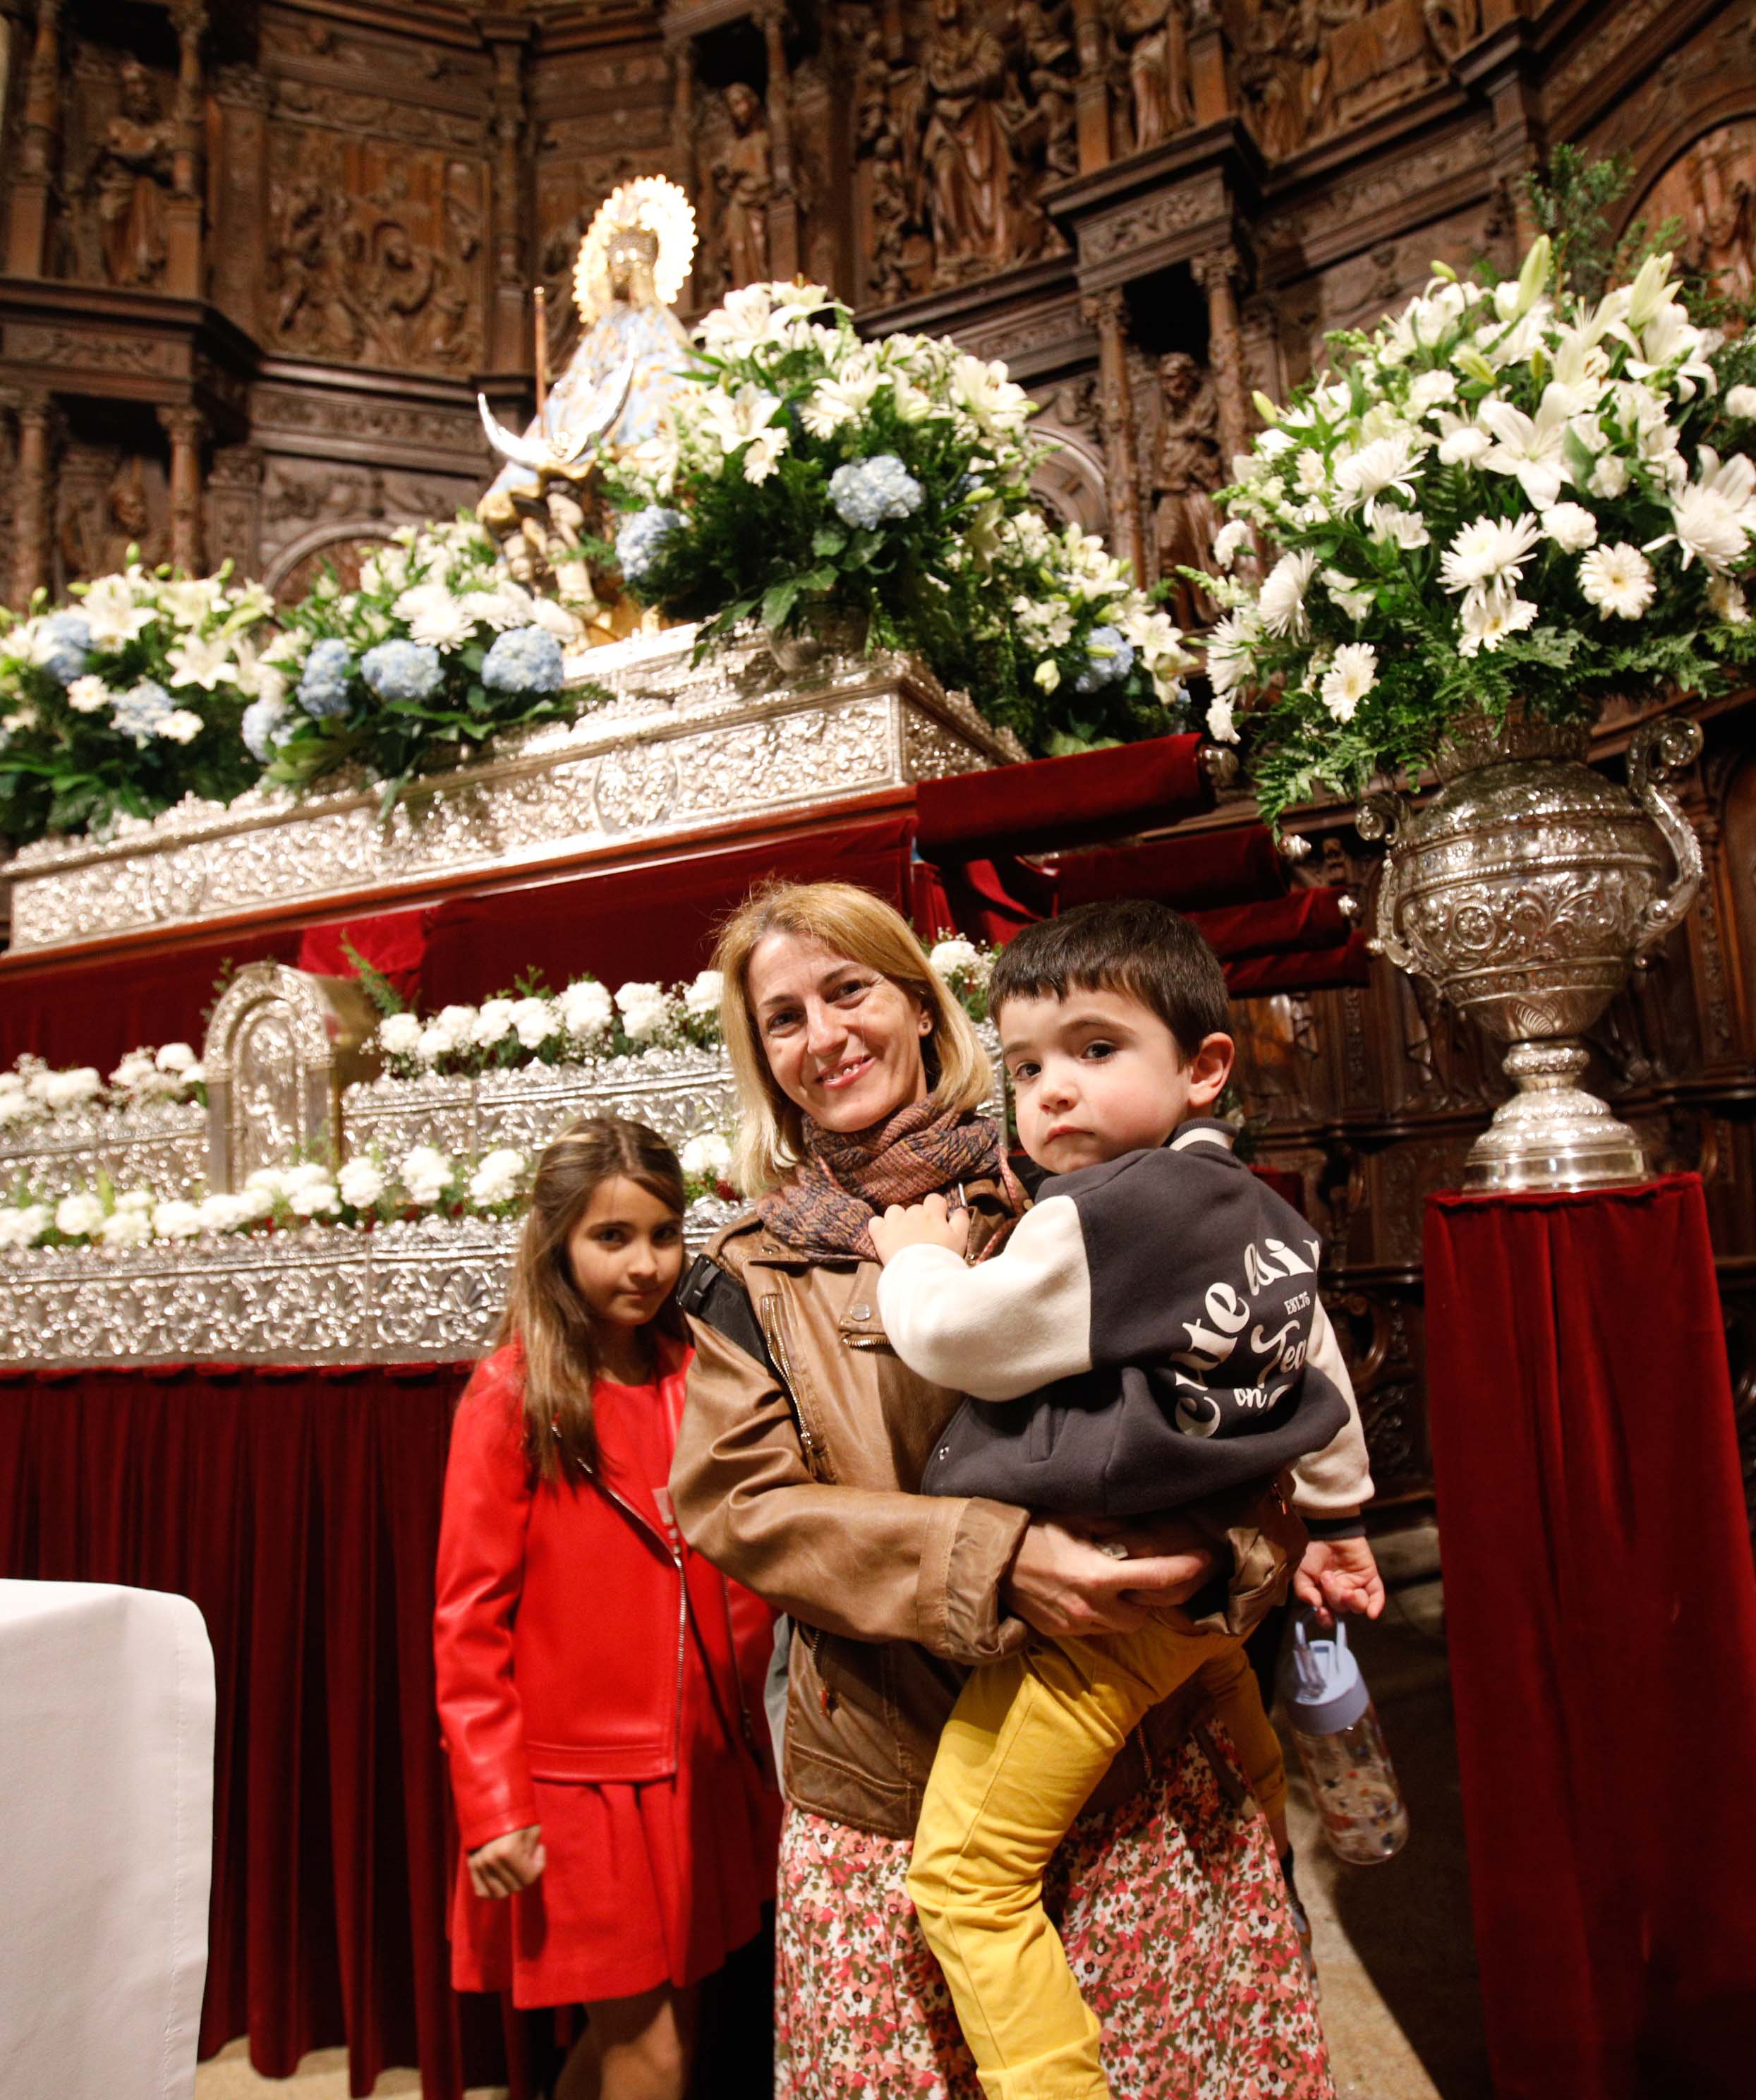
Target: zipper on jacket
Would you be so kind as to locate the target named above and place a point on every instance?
(768, 1313)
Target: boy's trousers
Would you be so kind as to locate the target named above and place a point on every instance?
(1028, 1740)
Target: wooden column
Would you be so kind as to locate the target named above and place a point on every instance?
(184, 275)
(31, 505)
(683, 147)
(39, 156)
(186, 428)
(1210, 82)
(1107, 313)
(784, 212)
(1219, 272)
(509, 336)
(1090, 39)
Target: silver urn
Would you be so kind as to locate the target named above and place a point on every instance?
(1526, 891)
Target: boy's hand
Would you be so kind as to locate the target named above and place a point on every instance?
(1339, 1575)
(931, 1224)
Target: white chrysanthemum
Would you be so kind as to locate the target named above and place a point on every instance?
(1714, 515)
(1728, 601)
(362, 1183)
(1406, 529)
(1617, 580)
(89, 695)
(1350, 677)
(705, 1156)
(492, 1023)
(1571, 526)
(948, 957)
(220, 1212)
(645, 1010)
(702, 994)
(534, 1021)
(425, 1173)
(587, 1010)
(79, 1215)
(315, 1199)
(433, 1044)
(1282, 603)
(399, 1034)
(1609, 477)
(1229, 542)
(762, 456)
(436, 619)
(175, 1220)
(1486, 618)
(497, 1177)
(1386, 466)
(1231, 648)
(127, 1228)
(1489, 551)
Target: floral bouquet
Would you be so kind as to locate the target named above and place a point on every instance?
(810, 472)
(438, 652)
(532, 1026)
(1513, 494)
(126, 700)
(35, 1091)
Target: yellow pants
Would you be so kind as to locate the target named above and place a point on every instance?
(1027, 1742)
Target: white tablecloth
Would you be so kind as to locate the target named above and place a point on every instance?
(107, 1778)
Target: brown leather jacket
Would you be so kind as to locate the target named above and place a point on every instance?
(802, 1444)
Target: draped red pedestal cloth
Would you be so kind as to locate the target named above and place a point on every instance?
(1601, 1609)
(300, 1510)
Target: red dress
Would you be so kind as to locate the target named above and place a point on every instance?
(598, 1678)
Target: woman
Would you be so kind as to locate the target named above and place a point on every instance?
(860, 1081)
(617, 1832)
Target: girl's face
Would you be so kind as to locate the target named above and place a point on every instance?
(625, 1253)
(842, 1041)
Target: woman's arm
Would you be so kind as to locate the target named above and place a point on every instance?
(874, 1563)
(480, 1578)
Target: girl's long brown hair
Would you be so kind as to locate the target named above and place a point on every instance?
(545, 1312)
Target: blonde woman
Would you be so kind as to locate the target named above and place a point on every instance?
(861, 1083)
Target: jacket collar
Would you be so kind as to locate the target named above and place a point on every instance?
(1210, 1133)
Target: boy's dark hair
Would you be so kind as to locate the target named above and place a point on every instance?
(1147, 951)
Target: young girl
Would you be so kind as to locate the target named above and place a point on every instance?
(596, 1679)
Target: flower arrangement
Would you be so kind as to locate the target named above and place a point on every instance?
(968, 971)
(366, 1191)
(439, 650)
(1500, 495)
(126, 699)
(813, 472)
(530, 1025)
(34, 1092)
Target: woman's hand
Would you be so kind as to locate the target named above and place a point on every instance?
(504, 1865)
(1062, 1583)
(931, 1224)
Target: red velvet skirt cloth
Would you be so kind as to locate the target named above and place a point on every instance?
(300, 1509)
(1602, 1617)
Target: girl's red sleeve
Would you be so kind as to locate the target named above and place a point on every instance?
(480, 1578)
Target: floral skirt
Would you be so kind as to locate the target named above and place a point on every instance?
(1174, 1916)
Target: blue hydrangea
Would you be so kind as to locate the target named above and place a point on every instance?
(523, 659)
(642, 540)
(865, 493)
(63, 643)
(1109, 659)
(141, 711)
(322, 687)
(262, 719)
(403, 670)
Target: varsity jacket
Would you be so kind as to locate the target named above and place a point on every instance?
(1149, 1336)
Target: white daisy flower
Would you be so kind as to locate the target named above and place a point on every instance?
(1617, 580)
(1488, 550)
(1349, 678)
(1727, 599)
(1488, 617)
(1282, 603)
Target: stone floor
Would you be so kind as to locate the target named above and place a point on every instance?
(1394, 1951)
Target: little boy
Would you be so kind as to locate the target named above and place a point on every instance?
(1150, 1339)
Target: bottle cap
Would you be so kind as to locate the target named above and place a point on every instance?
(1324, 1690)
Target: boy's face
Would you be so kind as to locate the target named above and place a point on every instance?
(1097, 1074)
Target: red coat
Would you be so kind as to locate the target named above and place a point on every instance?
(562, 1614)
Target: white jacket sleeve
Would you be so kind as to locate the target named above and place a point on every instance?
(1003, 1327)
(1337, 1481)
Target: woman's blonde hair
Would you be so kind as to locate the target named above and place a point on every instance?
(545, 1312)
(851, 922)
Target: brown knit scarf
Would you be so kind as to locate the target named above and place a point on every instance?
(844, 1182)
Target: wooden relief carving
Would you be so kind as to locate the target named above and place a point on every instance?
(375, 252)
(119, 168)
(1152, 43)
(109, 503)
(1712, 189)
(737, 158)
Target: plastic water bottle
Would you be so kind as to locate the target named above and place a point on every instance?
(1342, 1749)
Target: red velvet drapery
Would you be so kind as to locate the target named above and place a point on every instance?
(300, 1510)
(1602, 1616)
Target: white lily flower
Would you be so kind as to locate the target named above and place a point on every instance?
(196, 662)
(113, 613)
(1531, 446)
